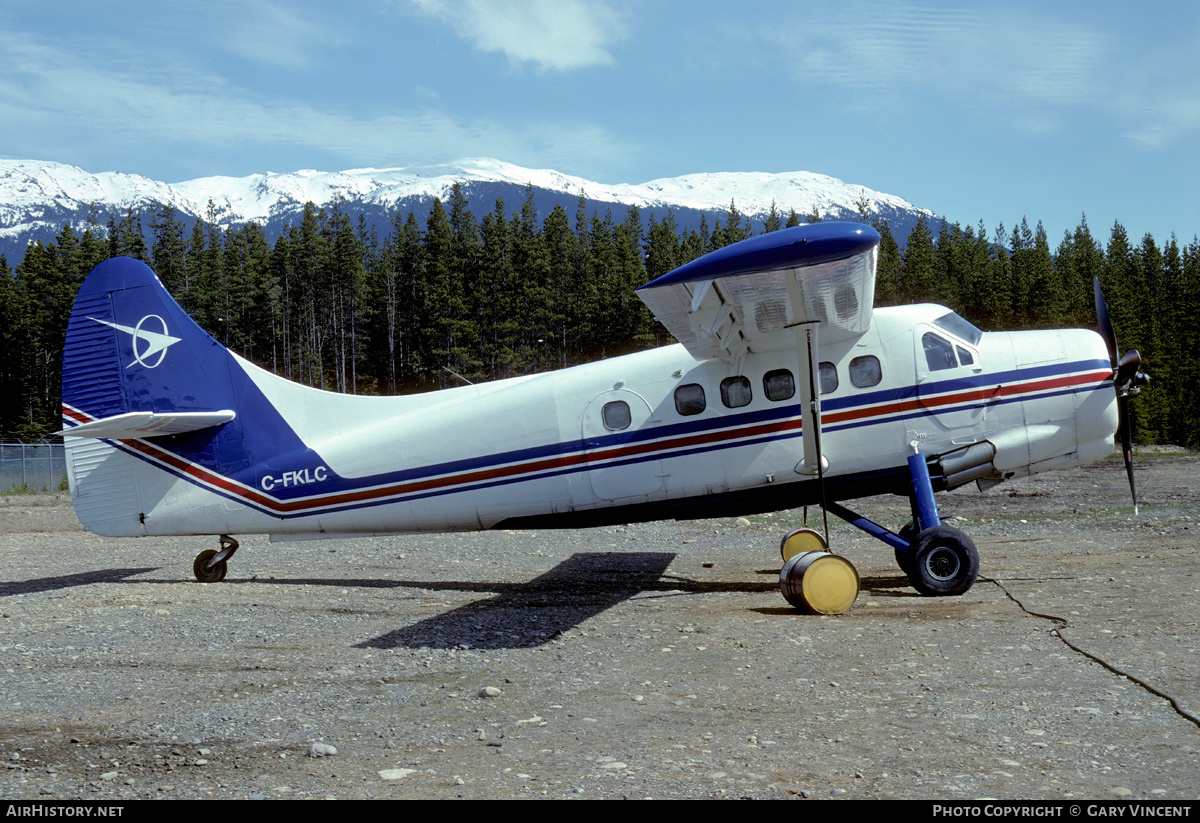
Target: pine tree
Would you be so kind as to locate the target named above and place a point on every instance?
(531, 263)
(1122, 280)
(1188, 369)
(440, 296)
(1077, 261)
(499, 317)
(888, 269)
(14, 343)
(774, 221)
(737, 225)
(465, 298)
(343, 277)
(918, 265)
(169, 250)
(566, 272)
(863, 206)
(1047, 303)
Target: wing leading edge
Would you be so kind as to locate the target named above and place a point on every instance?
(748, 296)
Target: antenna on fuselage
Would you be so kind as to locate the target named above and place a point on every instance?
(459, 376)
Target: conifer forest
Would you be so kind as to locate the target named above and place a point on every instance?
(340, 305)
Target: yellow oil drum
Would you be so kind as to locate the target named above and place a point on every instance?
(817, 582)
(798, 541)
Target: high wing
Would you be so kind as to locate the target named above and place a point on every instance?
(748, 296)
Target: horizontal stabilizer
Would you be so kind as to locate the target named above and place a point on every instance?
(138, 425)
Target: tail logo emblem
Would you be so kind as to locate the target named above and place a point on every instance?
(146, 343)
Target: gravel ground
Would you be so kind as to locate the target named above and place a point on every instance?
(655, 660)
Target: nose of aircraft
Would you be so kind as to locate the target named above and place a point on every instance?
(1098, 413)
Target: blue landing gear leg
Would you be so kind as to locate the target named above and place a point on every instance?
(938, 560)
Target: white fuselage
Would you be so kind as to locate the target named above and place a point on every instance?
(627, 438)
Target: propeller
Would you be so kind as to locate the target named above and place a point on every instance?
(1127, 380)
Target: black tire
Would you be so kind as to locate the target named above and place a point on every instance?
(944, 562)
(208, 575)
(903, 558)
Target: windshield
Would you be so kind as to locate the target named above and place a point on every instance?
(959, 328)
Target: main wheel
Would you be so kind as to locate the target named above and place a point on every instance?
(903, 558)
(944, 562)
(205, 574)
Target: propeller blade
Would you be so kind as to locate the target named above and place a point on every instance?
(1126, 380)
(1126, 430)
(1106, 327)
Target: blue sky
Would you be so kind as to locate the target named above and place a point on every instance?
(980, 111)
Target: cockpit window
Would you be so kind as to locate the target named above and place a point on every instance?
(959, 328)
(964, 356)
(939, 353)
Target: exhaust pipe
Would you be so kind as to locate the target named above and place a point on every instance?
(961, 466)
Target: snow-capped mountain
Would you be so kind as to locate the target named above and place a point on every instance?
(37, 198)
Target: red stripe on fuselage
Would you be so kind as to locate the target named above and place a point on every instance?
(600, 456)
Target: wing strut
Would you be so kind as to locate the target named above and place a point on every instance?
(810, 412)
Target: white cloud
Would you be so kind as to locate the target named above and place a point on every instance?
(267, 33)
(50, 97)
(555, 34)
(1031, 70)
(890, 54)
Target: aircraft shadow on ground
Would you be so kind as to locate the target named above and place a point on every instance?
(522, 615)
(67, 581)
(886, 586)
(517, 615)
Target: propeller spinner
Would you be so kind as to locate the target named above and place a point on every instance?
(1127, 380)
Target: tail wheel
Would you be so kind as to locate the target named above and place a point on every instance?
(206, 573)
(944, 562)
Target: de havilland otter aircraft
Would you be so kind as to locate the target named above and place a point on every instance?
(787, 389)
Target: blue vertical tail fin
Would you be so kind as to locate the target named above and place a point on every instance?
(149, 399)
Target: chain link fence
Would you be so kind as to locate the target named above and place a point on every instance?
(32, 467)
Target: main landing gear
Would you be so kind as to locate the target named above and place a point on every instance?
(210, 565)
(938, 560)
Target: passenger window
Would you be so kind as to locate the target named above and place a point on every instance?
(865, 371)
(939, 354)
(689, 399)
(964, 356)
(829, 378)
(735, 392)
(616, 415)
(779, 384)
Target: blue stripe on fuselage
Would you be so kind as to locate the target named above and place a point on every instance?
(705, 425)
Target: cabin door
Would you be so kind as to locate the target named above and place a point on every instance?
(622, 464)
(948, 389)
